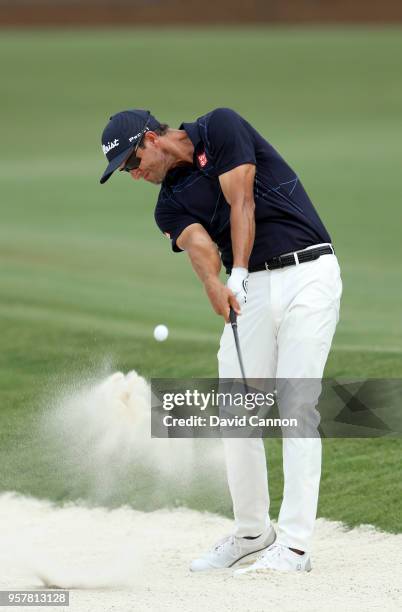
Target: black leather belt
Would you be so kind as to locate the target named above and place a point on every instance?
(283, 261)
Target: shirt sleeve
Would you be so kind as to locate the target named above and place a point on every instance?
(230, 140)
(172, 219)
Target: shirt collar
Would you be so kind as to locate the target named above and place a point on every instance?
(192, 131)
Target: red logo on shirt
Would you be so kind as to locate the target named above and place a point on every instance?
(202, 159)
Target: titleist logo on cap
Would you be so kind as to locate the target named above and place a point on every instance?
(110, 145)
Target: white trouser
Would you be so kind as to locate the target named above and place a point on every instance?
(285, 329)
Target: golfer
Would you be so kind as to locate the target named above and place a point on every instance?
(228, 197)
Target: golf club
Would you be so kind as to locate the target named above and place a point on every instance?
(233, 322)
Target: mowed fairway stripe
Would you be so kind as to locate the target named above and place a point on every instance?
(107, 325)
(41, 168)
(370, 349)
(134, 329)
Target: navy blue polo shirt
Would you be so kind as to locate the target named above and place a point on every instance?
(285, 217)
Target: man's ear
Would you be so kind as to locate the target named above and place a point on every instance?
(151, 138)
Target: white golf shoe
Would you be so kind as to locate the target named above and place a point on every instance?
(233, 550)
(279, 557)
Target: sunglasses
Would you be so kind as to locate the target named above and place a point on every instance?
(133, 162)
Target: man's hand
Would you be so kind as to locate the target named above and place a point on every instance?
(221, 298)
(238, 284)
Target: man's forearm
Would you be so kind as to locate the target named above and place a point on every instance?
(242, 222)
(204, 257)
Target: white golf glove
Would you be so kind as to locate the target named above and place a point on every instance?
(238, 283)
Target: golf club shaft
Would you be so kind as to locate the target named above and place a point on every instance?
(233, 322)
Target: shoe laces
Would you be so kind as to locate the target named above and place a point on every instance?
(221, 544)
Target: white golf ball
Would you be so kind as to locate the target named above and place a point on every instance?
(161, 332)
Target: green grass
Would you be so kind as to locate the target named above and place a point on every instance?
(85, 274)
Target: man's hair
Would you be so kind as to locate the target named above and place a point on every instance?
(160, 131)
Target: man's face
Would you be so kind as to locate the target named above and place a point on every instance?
(154, 164)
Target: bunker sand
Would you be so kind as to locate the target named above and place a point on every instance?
(123, 559)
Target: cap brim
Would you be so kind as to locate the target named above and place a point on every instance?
(115, 163)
